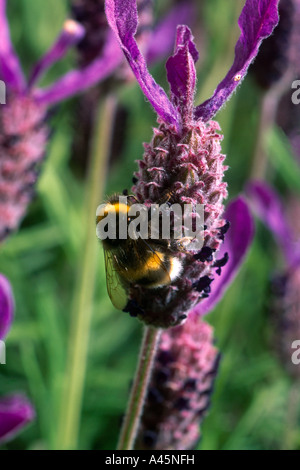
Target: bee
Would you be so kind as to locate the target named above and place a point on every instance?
(132, 260)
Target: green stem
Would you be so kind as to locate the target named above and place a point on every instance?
(84, 288)
(292, 414)
(139, 389)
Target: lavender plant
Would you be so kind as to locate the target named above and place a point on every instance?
(169, 134)
(184, 158)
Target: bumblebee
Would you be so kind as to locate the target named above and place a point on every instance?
(131, 260)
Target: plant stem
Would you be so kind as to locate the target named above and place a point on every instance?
(84, 287)
(290, 436)
(139, 389)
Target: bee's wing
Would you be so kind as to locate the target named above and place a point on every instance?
(116, 291)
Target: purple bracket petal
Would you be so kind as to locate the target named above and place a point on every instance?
(77, 81)
(10, 68)
(257, 21)
(15, 413)
(162, 39)
(268, 208)
(236, 244)
(123, 19)
(181, 72)
(71, 34)
(6, 306)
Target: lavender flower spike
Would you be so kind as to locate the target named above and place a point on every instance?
(184, 158)
(6, 306)
(182, 382)
(15, 413)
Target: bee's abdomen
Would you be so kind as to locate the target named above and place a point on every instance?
(154, 269)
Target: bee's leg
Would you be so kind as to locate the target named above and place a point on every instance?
(166, 198)
(181, 244)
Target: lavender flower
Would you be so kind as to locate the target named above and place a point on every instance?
(23, 131)
(286, 285)
(184, 157)
(179, 394)
(187, 361)
(15, 410)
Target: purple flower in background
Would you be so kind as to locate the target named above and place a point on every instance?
(6, 306)
(23, 130)
(184, 157)
(278, 53)
(15, 413)
(285, 304)
(187, 361)
(156, 41)
(15, 410)
(268, 207)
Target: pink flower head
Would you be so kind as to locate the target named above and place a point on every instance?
(179, 394)
(184, 158)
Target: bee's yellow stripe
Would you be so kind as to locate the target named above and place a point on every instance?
(123, 208)
(115, 208)
(151, 264)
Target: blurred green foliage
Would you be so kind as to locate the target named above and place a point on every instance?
(250, 406)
